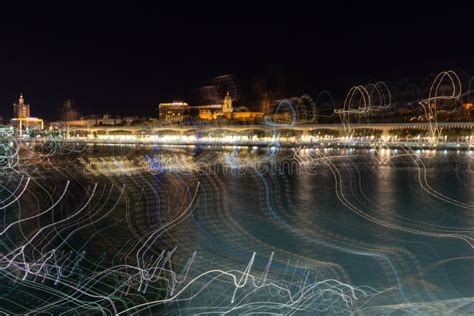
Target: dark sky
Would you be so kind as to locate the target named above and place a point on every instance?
(126, 59)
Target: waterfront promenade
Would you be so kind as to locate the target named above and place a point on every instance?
(384, 127)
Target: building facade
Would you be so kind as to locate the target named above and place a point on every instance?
(22, 120)
(227, 105)
(21, 109)
(174, 112)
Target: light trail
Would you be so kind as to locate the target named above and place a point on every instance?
(103, 225)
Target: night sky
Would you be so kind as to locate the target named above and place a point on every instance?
(125, 59)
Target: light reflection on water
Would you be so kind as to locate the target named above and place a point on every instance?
(351, 228)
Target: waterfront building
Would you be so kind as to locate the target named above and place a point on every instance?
(468, 106)
(247, 116)
(21, 109)
(85, 121)
(96, 120)
(227, 105)
(110, 120)
(178, 112)
(174, 112)
(228, 112)
(209, 112)
(23, 120)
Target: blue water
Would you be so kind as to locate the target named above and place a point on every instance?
(391, 236)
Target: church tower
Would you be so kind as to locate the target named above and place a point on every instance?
(227, 106)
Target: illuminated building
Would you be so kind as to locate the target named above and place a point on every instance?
(238, 115)
(21, 109)
(95, 120)
(89, 120)
(108, 120)
(209, 112)
(468, 106)
(214, 112)
(227, 106)
(226, 111)
(247, 116)
(178, 112)
(22, 119)
(174, 112)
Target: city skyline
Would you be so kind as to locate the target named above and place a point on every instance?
(405, 98)
(174, 158)
(121, 57)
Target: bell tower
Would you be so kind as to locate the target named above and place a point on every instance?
(227, 106)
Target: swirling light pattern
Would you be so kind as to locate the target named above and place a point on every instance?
(277, 223)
